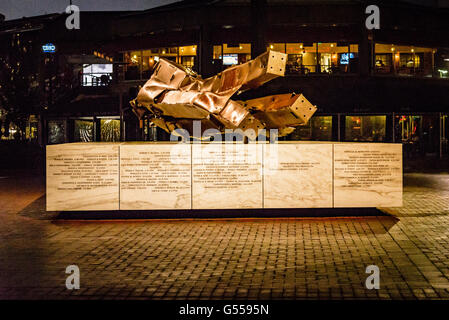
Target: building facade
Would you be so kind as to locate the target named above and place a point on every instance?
(385, 85)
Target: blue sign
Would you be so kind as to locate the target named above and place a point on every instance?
(49, 48)
(344, 59)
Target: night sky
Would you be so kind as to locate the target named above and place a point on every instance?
(14, 9)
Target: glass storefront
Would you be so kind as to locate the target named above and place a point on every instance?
(84, 131)
(109, 130)
(365, 128)
(419, 134)
(31, 128)
(317, 57)
(149, 131)
(318, 128)
(96, 75)
(229, 54)
(139, 64)
(56, 131)
(404, 60)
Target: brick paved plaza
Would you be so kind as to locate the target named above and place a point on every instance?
(293, 258)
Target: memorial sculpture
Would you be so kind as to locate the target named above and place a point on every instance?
(185, 176)
(174, 97)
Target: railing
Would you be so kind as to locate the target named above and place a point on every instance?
(96, 80)
(295, 69)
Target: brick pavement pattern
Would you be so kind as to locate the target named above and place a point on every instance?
(305, 258)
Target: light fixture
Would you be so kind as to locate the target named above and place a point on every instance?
(443, 73)
(332, 45)
(271, 46)
(412, 50)
(392, 48)
(240, 47)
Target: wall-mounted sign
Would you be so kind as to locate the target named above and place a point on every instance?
(48, 48)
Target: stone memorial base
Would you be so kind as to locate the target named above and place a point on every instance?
(162, 176)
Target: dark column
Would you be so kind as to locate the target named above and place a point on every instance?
(389, 128)
(342, 129)
(70, 130)
(366, 45)
(122, 132)
(97, 129)
(131, 130)
(205, 52)
(335, 127)
(42, 136)
(258, 25)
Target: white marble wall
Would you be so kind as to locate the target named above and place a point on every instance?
(82, 177)
(367, 175)
(298, 176)
(154, 176)
(226, 176)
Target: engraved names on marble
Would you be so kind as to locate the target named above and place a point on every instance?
(367, 175)
(155, 176)
(300, 177)
(227, 176)
(81, 178)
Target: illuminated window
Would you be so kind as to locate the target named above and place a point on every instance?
(110, 130)
(410, 60)
(31, 128)
(187, 56)
(383, 63)
(56, 131)
(84, 131)
(279, 47)
(301, 58)
(404, 59)
(365, 128)
(217, 53)
(97, 74)
(330, 57)
(140, 64)
(237, 53)
(318, 128)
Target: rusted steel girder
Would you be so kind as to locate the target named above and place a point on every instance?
(174, 97)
